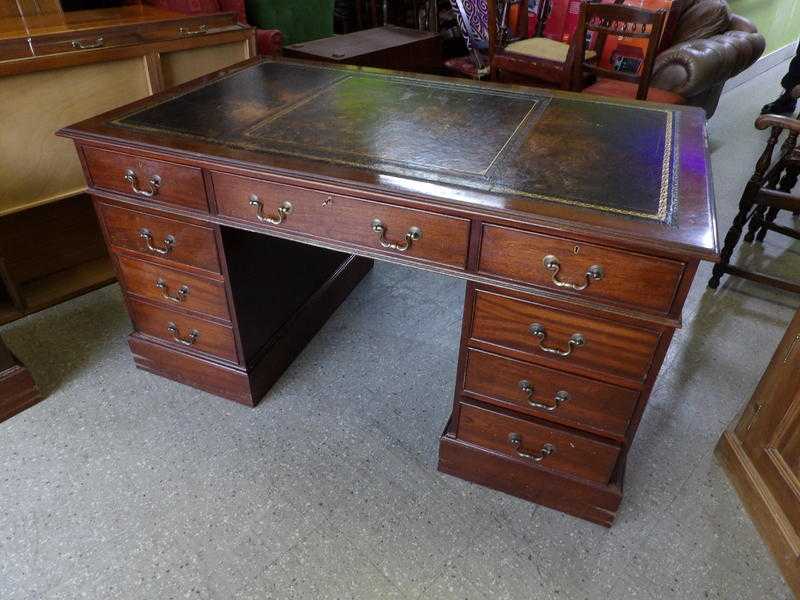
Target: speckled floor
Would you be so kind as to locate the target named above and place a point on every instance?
(124, 485)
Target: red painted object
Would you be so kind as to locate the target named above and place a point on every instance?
(268, 41)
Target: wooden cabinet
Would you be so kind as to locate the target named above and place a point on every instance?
(57, 68)
(17, 388)
(761, 454)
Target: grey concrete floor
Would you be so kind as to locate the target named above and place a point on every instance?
(124, 485)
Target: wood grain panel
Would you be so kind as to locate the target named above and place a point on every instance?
(201, 295)
(592, 405)
(345, 219)
(185, 65)
(37, 166)
(572, 453)
(193, 244)
(212, 338)
(628, 278)
(609, 347)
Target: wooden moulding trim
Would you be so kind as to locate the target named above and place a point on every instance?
(772, 523)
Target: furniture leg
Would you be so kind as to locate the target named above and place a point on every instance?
(754, 225)
(17, 388)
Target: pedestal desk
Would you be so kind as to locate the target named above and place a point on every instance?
(242, 208)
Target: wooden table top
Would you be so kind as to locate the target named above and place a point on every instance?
(82, 20)
(358, 43)
(628, 170)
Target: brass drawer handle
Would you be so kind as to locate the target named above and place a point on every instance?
(412, 235)
(284, 210)
(189, 340)
(202, 30)
(527, 388)
(515, 440)
(594, 273)
(179, 297)
(154, 182)
(81, 45)
(169, 242)
(576, 341)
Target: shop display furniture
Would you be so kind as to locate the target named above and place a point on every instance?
(760, 452)
(601, 21)
(17, 388)
(388, 47)
(235, 233)
(768, 191)
(268, 41)
(56, 68)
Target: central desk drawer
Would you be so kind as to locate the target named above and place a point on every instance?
(549, 394)
(536, 444)
(402, 231)
(602, 273)
(161, 238)
(567, 339)
(147, 179)
(183, 331)
(173, 288)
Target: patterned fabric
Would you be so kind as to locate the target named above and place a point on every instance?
(478, 15)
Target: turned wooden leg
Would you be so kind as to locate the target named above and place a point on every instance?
(756, 220)
(772, 213)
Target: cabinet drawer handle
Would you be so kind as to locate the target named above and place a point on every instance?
(527, 388)
(154, 183)
(515, 440)
(81, 45)
(189, 340)
(284, 210)
(594, 273)
(576, 341)
(169, 242)
(179, 297)
(202, 30)
(412, 235)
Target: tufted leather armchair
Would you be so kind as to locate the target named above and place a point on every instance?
(710, 44)
(299, 20)
(268, 41)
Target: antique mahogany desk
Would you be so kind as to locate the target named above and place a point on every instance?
(242, 208)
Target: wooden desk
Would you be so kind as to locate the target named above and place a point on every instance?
(17, 388)
(241, 210)
(58, 68)
(388, 47)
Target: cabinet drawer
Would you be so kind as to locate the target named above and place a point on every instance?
(173, 288)
(537, 444)
(549, 394)
(607, 274)
(146, 179)
(183, 331)
(441, 239)
(593, 343)
(162, 238)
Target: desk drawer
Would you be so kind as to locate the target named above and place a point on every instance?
(442, 239)
(161, 238)
(623, 277)
(564, 338)
(146, 179)
(174, 288)
(537, 444)
(553, 395)
(183, 331)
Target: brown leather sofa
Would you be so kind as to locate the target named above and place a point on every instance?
(709, 45)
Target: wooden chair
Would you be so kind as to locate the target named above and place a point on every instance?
(767, 192)
(540, 58)
(604, 20)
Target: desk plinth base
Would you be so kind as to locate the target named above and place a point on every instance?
(247, 385)
(583, 499)
(17, 388)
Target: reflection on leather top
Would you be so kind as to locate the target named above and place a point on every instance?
(607, 157)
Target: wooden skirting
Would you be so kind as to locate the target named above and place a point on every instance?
(771, 522)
